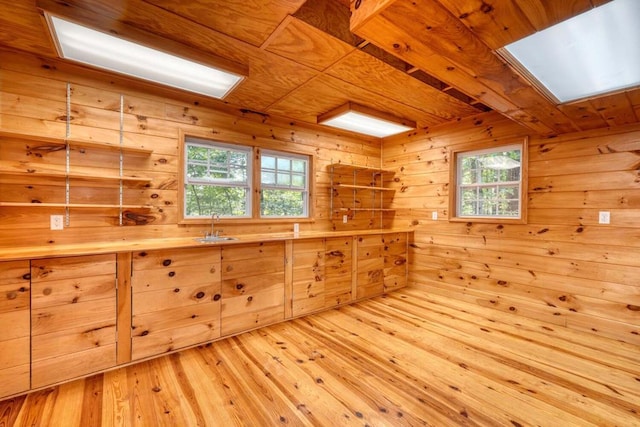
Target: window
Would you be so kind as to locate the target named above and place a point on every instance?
(217, 180)
(283, 185)
(490, 184)
(242, 182)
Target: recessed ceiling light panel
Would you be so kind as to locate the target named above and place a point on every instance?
(590, 54)
(356, 118)
(102, 50)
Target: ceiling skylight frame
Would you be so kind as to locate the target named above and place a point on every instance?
(368, 121)
(560, 85)
(109, 49)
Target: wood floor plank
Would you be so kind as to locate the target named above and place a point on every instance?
(411, 358)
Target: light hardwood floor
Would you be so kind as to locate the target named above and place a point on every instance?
(407, 359)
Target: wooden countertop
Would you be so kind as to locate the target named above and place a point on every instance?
(34, 252)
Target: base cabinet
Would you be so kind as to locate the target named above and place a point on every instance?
(73, 317)
(63, 316)
(15, 359)
(322, 276)
(370, 266)
(395, 261)
(175, 299)
(252, 286)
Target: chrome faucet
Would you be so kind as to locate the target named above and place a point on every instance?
(214, 217)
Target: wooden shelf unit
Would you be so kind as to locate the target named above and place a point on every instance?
(378, 178)
(43, 145)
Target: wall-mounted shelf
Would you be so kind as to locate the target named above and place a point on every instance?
(375, 181)
(55, 144)
(73, 172)
(78, 176)
(366, 210)
(73, 205)
(365, 187)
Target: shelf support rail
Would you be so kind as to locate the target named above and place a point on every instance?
(67, 197)
(332, 189)
(120, 196)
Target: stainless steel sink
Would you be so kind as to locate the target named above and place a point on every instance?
(215, 239)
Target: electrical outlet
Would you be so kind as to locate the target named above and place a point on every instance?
(434, 215)
(57, 222)
(604, 217)
(345, 218)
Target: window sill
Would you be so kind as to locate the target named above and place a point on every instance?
(489, 220)
(240, 221)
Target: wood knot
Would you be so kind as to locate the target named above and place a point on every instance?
(200, 295)
(47, 291)
(166, 262)
(12, 295)
(172, 273)
(217, 297)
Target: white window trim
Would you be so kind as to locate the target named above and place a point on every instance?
(305, 192)
(455, 177)
(254, 180)
(198, 142)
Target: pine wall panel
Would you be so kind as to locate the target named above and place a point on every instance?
(33, 102)
(561, 266)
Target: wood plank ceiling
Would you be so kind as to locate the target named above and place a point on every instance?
(431, 61)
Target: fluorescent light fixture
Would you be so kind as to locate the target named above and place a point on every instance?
(356, 118)
(102, 50)
(590, 54)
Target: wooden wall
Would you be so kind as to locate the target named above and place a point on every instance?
(562, 266)
(33, 102)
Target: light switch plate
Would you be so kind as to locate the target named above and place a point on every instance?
(604, 217)
(57, 222)
(345, 218)
(434, 215)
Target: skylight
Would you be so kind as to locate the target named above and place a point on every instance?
(105, 51)
(590, 54)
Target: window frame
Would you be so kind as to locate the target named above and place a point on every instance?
(306, 191)
(212, 144)
(483, 148)
(254, 180)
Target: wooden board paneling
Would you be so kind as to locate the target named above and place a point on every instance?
(562, 266)
(308, 276)
(15, 292)
(370, 266)
(73, 317)
(252, 286)
(175, 299)
(33, 104)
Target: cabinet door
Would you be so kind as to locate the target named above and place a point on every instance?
(370, 270)
(73, 317)
(14, 317)
(252, 286)
(337, 268)
(395, 261)
(176, 299)
(308, 276)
